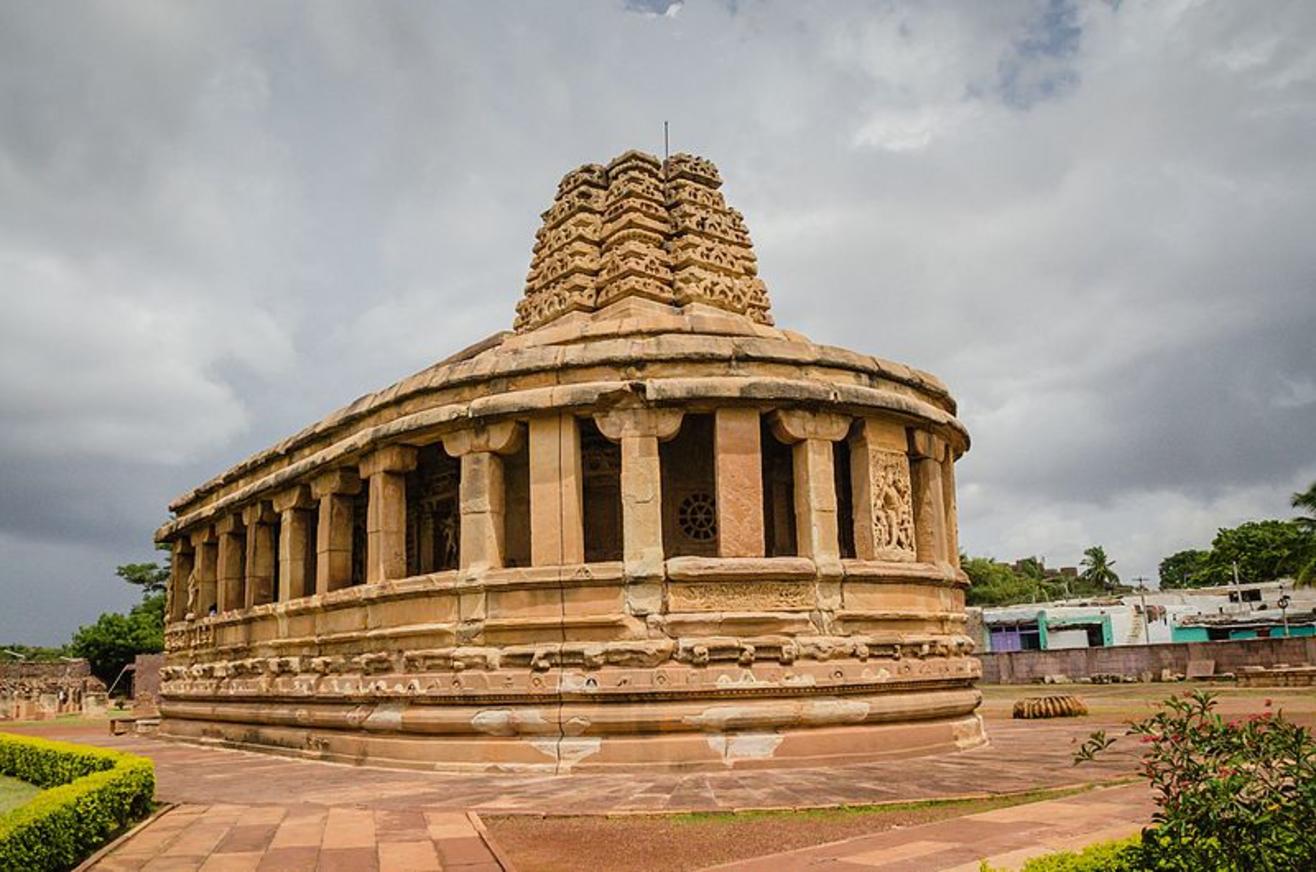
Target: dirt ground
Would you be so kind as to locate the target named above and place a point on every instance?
(670, 843)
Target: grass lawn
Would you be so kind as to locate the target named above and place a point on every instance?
(14, 793)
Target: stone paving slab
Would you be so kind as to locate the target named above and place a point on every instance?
(276, 838)
(1004, 837)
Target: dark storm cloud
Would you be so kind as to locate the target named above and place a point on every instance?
(221, 222)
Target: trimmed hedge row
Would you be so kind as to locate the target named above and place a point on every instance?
(90, 794)
(1121, 855)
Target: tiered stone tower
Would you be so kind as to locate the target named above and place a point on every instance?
(645, 530)
(640, 228)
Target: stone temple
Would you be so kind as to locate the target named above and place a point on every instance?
(645, 529)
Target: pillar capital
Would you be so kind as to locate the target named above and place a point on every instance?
(295, 497)
(259, 513)
(502, 437)
(390, 458)
(797, 425)
(925, 445)
(622, 422)
(342, 481)
(883, 434)
(229, 524)
(201, 536)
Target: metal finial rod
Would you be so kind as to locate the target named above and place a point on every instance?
(666, 153)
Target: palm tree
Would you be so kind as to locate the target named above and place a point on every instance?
(1097, 567)
(1307, 523)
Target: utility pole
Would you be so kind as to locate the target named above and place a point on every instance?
(1283, 604)
(1142, 594)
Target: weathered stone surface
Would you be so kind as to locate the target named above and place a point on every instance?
(550, 550)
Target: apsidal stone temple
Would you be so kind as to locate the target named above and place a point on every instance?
(643, 529)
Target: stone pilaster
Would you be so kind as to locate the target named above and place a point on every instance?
(738, 452)
(296, 542)
(638, 431)
(333, 538)
(951, 505)
(482, 492)
(181, 566)
(386, 512)
(203, 594)
(811, 435)
(557, 532)
(883, 494)
(926, 451)
(232, 554)
(261, 557)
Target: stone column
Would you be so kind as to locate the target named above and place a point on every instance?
(181, 566)
(482, 494)
(557, 531)
(386, 511)
(951, 505)
(639, 430)
(883, 501)
(232, 554)
(333, 537)
(926, 451)
(811, 435)
(260, 520)
(738, 453)
(205, 572)
(295, 542)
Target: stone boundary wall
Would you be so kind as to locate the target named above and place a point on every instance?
(43, 670)
(1026, 667)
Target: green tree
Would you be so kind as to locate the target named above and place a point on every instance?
(1304, 558)
(150, 577)
(1032, 567)
(995, 584)
(1262, 551)
(116, 639)
(1184, 569)
(1097, 568)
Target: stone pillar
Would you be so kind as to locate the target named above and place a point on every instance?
(557, 530)
(295, 542)
(181, 567)
(738, 454)
(926, 451)
(386, 511)
(482, 494)
(203, 595)
(333, 537)
(951, 505)
(883, 501)
(260, 520)
(232, 555)
(811, 435)
(639, 430)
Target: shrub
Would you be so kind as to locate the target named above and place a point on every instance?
(1118, 856)
(1230, 794)
(90, 794)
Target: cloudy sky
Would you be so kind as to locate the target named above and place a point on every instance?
(1094, 220)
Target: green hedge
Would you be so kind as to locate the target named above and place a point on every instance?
(90, 794)
(1121, 855)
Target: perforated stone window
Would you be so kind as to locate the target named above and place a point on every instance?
(697, 517)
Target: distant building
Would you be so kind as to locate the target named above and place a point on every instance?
(1246, 611)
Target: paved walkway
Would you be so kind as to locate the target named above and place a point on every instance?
(1005, 837)
(239, 810)
(1023, 755)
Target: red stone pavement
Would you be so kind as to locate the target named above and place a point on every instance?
(239, 810)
